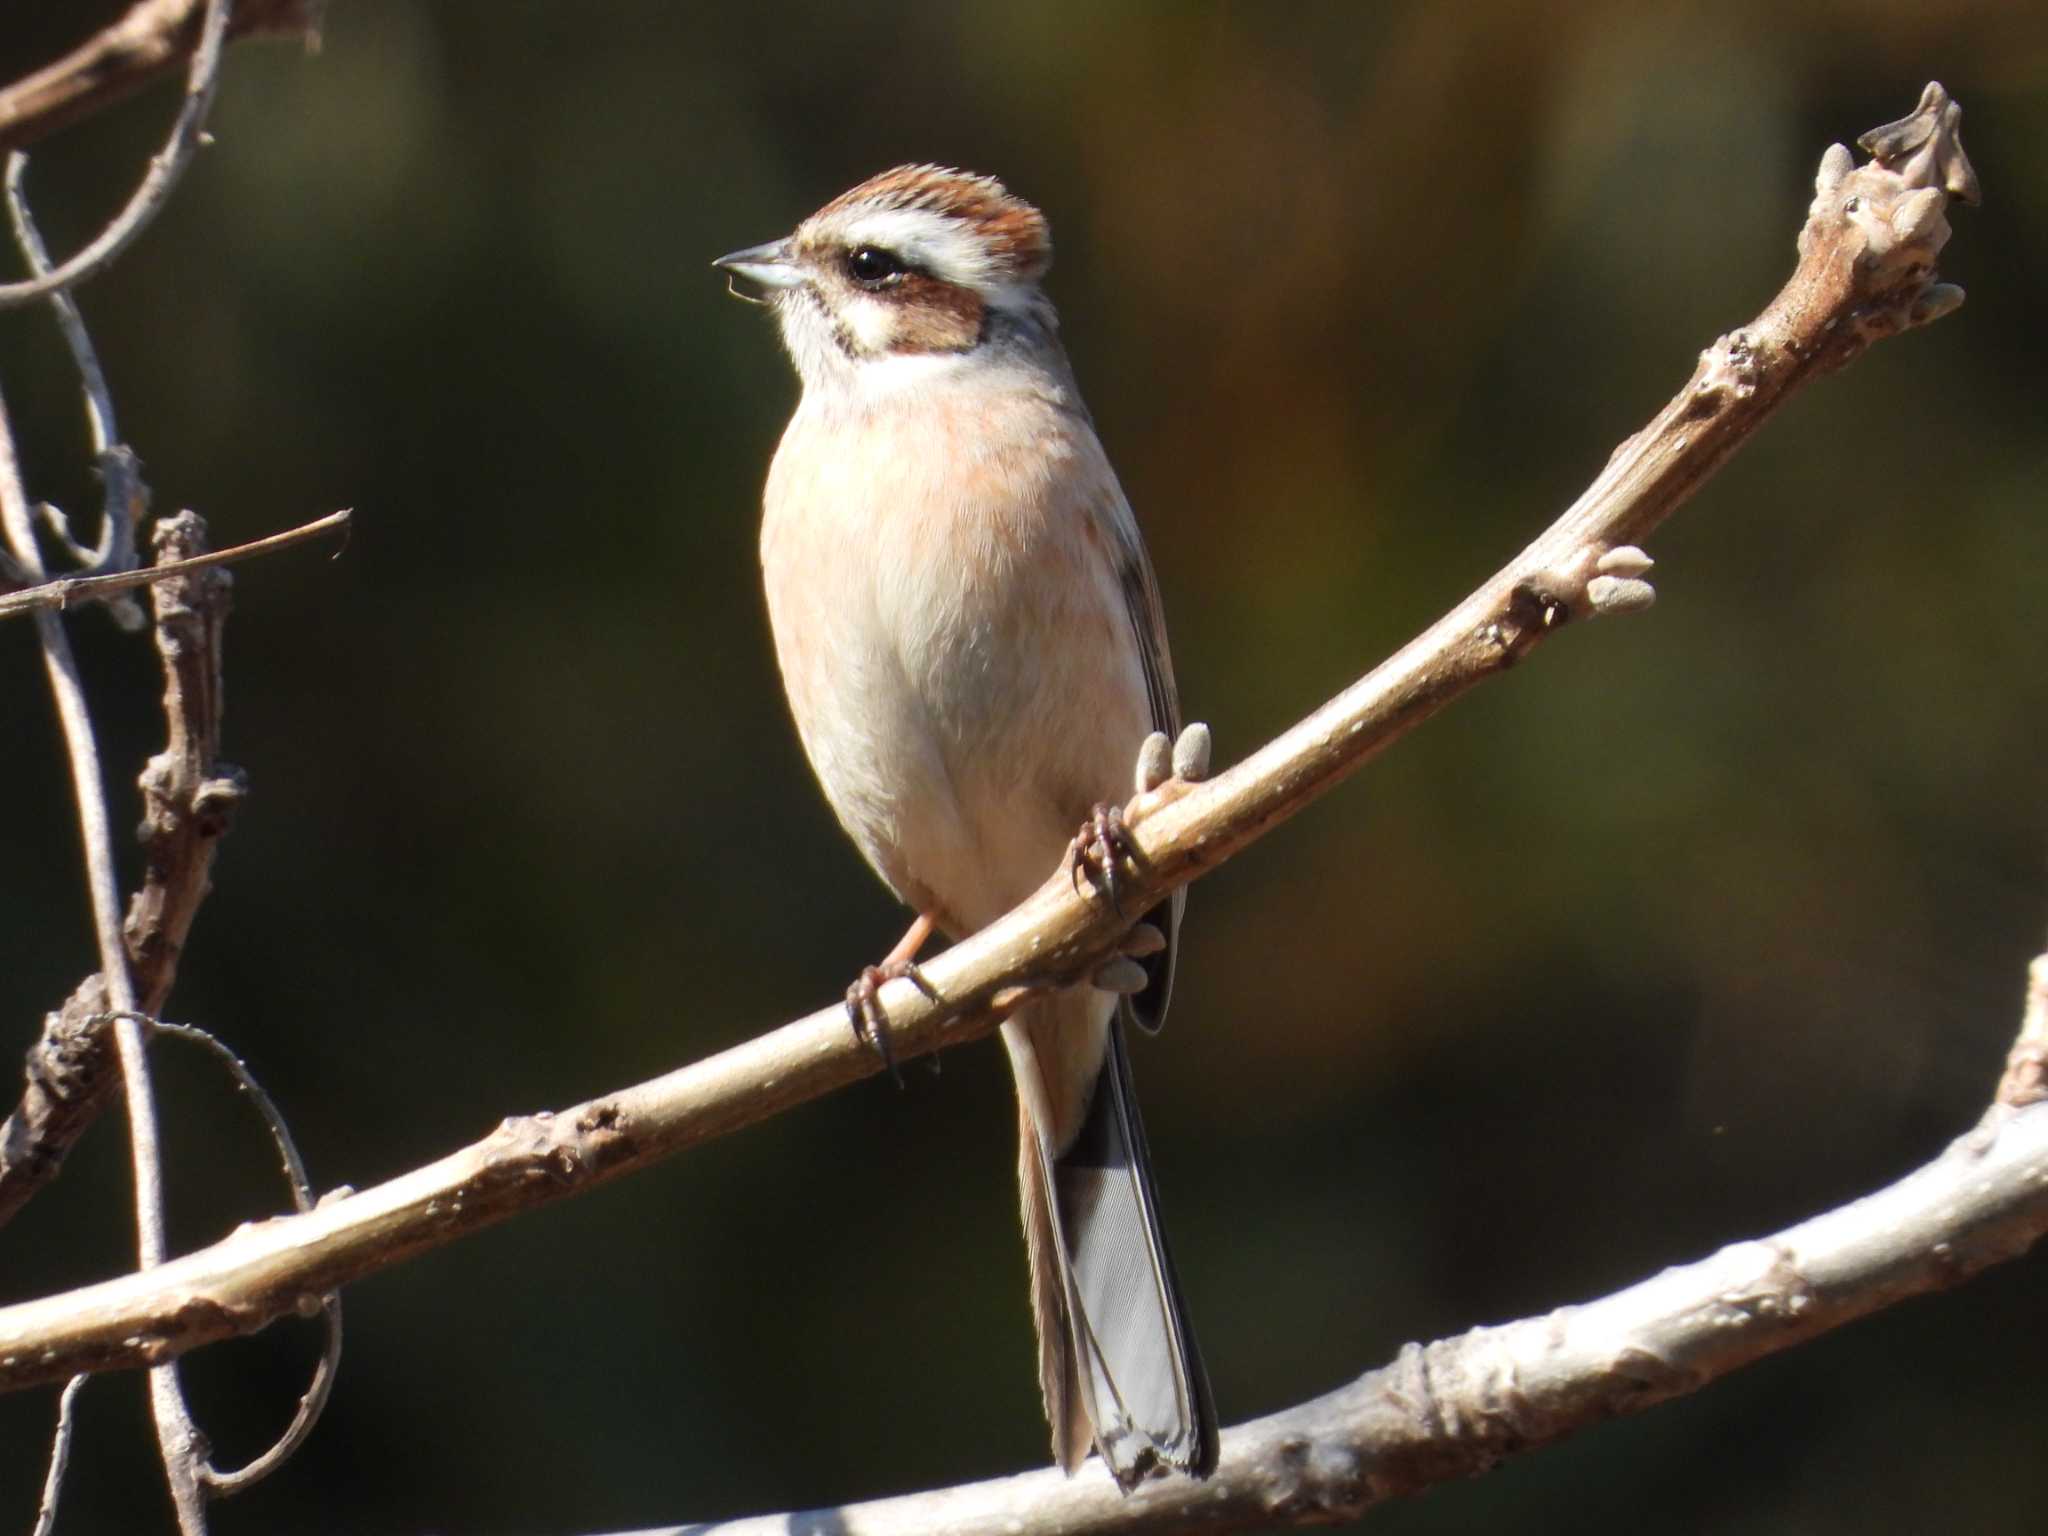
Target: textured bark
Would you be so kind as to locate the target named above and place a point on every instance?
(189, 799)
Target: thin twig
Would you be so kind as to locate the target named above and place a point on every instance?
(1866, 270)
(177, 1437)
(314, 1400)
(125, 499)
(153, 38)
(273, 1118)
(98, 402)
(66, 591)
(166, 168)
(60, 1456)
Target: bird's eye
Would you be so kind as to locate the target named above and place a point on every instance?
(871, 266)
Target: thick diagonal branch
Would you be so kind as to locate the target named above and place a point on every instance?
(1459, 1407)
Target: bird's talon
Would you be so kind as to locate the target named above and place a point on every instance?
(913, 973)
(1102, 843)
(870, 1019)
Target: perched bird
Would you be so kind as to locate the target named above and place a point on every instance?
(970, 635)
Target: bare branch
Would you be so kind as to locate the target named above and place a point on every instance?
(1454, 1408)
(1865, 271)
(190, 798)
(1461, 1406)
(186, 813)
(177, 1438)
(71, 709)
(69, 1073)
(166, 169)
(65, 592)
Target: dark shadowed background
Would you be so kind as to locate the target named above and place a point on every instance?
(1699, 923)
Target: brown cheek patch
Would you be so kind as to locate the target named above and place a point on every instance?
(935, 316)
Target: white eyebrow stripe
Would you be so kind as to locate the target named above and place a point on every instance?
(929, 240)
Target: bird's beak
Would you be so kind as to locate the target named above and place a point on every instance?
(766, 267)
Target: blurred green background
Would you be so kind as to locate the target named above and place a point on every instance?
(1699, 923)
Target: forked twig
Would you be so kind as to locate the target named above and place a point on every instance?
(177, 1437)
(190, 798)
(188, 810)
(179, 1442)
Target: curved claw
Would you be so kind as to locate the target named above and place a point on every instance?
(1097, 848)
(870, 1020)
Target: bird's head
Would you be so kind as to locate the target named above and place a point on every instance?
(918, 262)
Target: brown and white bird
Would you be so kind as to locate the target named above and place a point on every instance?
(971, 639)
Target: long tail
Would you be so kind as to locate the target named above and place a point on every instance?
(1117, 1360)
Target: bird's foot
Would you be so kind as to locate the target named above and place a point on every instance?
(1098, 848)
(1164, 769)
(869, 1018)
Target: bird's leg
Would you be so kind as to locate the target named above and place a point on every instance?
(864, 998)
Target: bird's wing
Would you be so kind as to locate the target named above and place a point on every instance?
(1147, 1009)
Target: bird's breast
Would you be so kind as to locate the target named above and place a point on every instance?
(952, 636)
